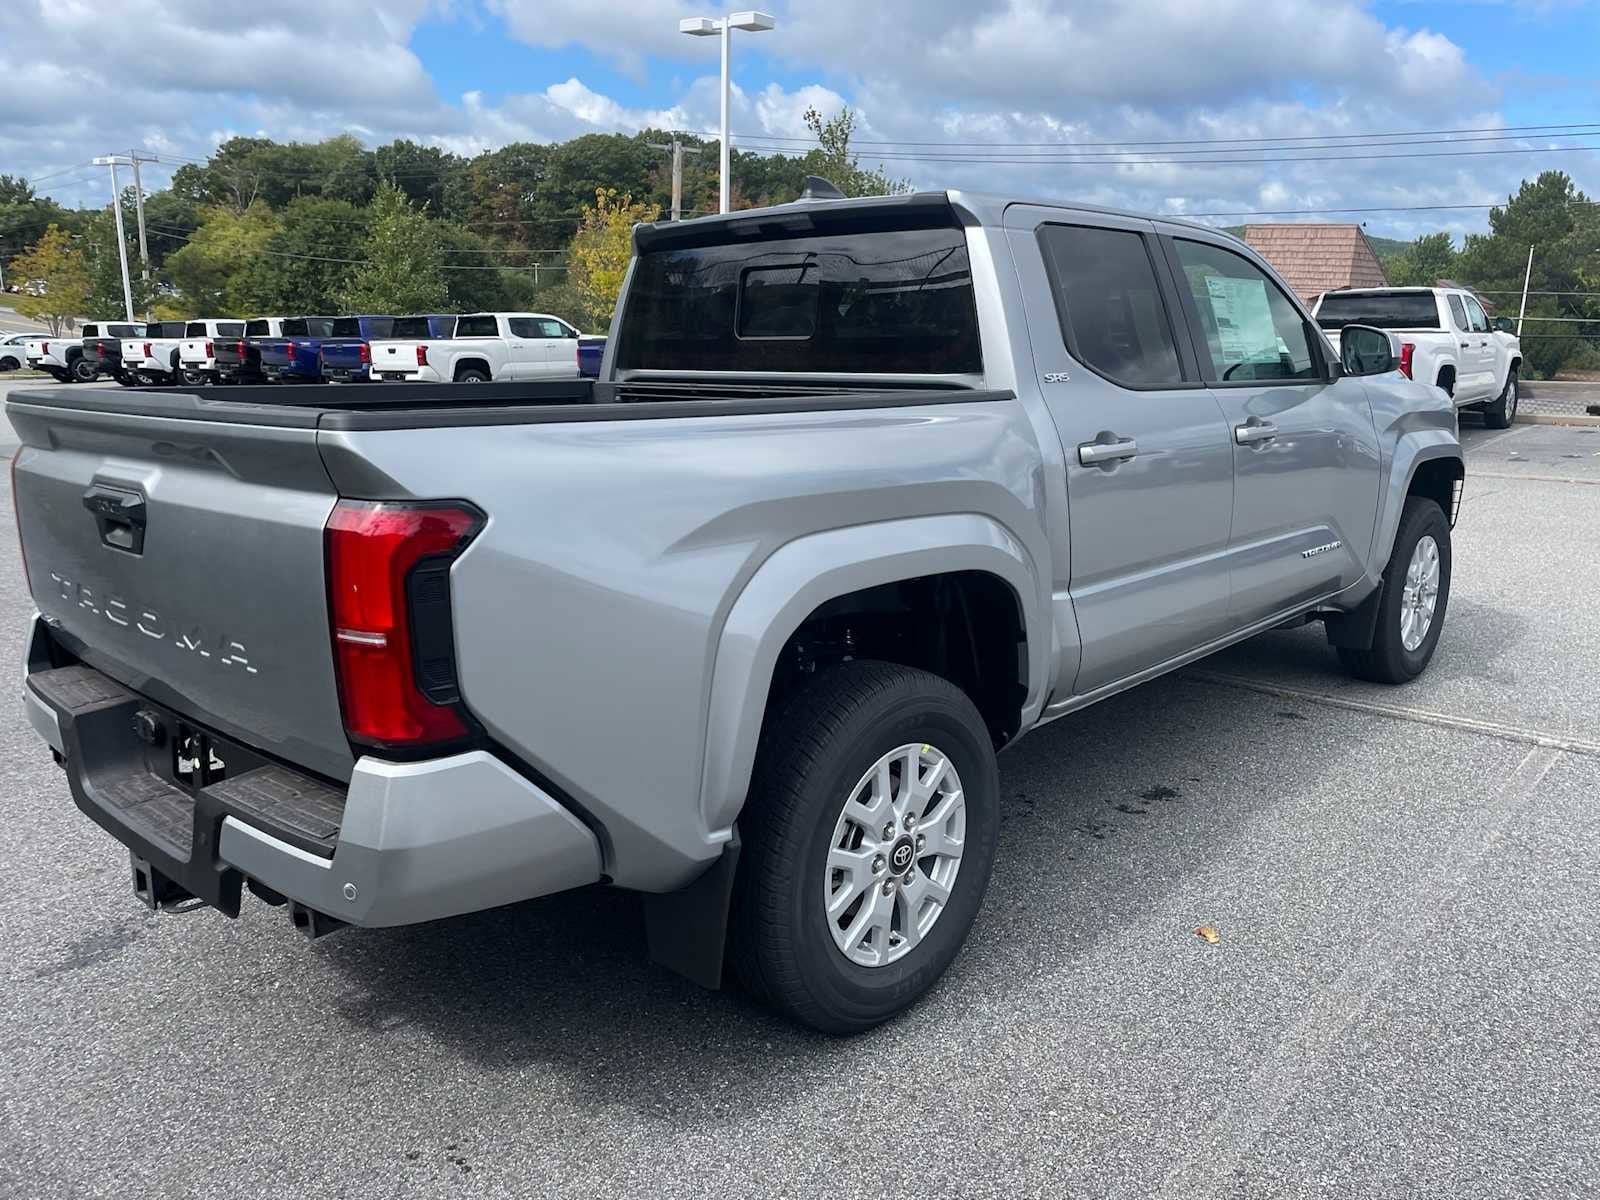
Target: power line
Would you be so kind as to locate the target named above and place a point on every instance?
(1070, 161)
(1183, 141)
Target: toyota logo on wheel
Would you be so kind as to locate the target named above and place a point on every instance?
(901, 858)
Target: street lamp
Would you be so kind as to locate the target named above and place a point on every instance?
(113, 161)
(750, 22)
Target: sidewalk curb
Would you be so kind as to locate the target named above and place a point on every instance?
(1527, 418)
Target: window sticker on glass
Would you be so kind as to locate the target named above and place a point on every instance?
(1244, 319)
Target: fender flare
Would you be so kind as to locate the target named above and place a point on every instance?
(1412, 450)
(811, 570)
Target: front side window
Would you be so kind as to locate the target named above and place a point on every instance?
(551, 329)
(1113, 318)
(1253, 331)
(1458, 312)
(1476, 319)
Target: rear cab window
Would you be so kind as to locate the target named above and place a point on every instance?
(230, 329)
(258, 329)
(412, 327)
(345, 327)
(195, 329)
(851, 291)
(1385, 310)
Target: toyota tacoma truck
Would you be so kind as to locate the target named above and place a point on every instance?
(346, 354)
(153, 356)
(295, 355)
(102, 351)
(60, 357)
(240, 361)
(1446, 339)
(482, 347)
(867, 490)
(197, 352)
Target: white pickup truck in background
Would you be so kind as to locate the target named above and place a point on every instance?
(485, 346)
(1446, 339)
(153, 356)
(197, 353)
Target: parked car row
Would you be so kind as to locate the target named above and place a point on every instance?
(474, 348)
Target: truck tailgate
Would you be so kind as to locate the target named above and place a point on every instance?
(184, 559)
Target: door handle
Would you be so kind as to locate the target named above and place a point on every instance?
(1463, 345)
(1254, 430)
(1099, 454)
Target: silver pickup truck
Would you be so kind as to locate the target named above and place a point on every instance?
(866, 490)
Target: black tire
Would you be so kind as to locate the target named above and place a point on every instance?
(814, 751)
(58, 375)
(82, 370)
(1503, 411)
(1387, 660)
(10, 363)
(471, 375)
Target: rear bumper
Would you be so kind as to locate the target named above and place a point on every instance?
(405, 842)
(423, 374)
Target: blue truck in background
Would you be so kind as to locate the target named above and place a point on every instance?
(295, 357)
(347, 353)
(591, 349)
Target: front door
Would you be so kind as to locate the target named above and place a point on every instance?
(1304, 443)
(1482, 352)
(1148, 462)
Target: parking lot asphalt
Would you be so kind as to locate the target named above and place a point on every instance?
(1404, 1000)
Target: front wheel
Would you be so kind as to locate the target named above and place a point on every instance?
(868, 840)
(1416, 591)
(1503, 411)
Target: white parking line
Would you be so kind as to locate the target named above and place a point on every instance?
(1402, 712)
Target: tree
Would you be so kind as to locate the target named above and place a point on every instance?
(213, 265)
(105, 297)
(402, 272)
(1427, 260)
(600, 252)
(59, 264)
(473, 280)
(304, 265)
(834, 161)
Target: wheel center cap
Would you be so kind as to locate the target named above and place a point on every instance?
(902, 856)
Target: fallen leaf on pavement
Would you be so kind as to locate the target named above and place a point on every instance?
(1207, 934)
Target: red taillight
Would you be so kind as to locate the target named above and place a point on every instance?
(1406, 351)
(366, 353)
(291, 351)
(422, 356)
(147, 353)
(44, 348)
(99, 350)
(388, 596)
(210, 351)
(241, 352)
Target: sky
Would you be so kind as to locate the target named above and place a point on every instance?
(948, 93)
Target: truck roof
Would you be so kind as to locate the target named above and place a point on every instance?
(980, 208)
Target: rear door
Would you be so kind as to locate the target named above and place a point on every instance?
(1304, 446)
(1149, 465)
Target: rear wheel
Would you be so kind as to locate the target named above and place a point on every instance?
(1503, 411)
(472, 375)
(81, 370)
(868, 841)
(1416, 591)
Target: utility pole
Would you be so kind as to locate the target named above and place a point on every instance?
(138, 207)
(111, 160)
(1525, 279)
(677, 150)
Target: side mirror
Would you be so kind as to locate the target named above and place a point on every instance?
(1367, 350)
(1503, 325)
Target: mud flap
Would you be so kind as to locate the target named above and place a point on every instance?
(687, 930)
(1356, 629)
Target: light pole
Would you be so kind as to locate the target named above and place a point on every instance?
(750, 22)
(111, 160)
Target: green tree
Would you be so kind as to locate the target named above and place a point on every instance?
(471, 265)
(402, 272)
(1561, 224)
(105, 297)
(600, 252)
(212, 267)
(303, 267)
(834, 161)
(1427, 260)
(60, 265)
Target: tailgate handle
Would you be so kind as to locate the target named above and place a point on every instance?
(120, 514)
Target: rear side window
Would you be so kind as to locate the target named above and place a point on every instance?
(526, 327)
(869, 299)
(1252, 330)
(258, 329)
(477, 327)
(1458, 312)
(1386, 310)
(1113, 318)
(230, 329)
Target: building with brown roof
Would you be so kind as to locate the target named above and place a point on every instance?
(1318, 258)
